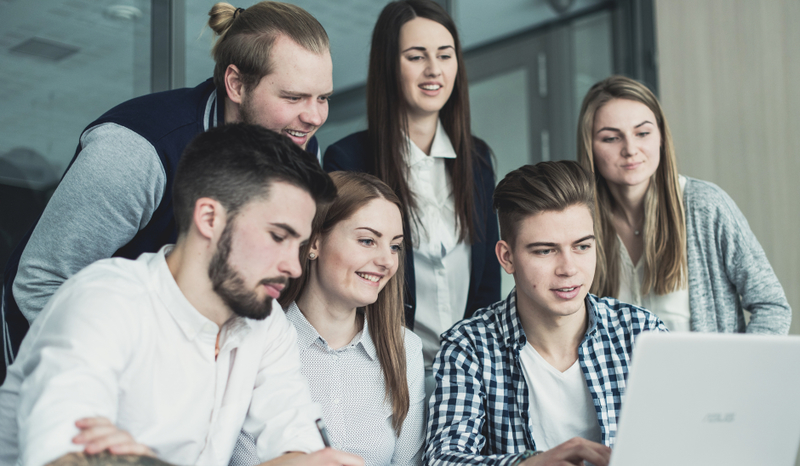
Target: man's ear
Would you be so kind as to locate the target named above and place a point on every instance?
(503, 252)
(209, 217)
(234, 86)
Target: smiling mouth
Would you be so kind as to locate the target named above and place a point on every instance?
(369, 276)
(565, 290)
(431, 87)
(297, 134)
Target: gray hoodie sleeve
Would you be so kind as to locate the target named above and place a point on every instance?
(105, 198)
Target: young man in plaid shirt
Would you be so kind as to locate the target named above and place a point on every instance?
(537, 378)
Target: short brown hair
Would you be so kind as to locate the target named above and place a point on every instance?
(533, 189)
(246, 37)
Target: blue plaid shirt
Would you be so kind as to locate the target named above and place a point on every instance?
(479, 410)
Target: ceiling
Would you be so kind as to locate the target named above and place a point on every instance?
(47, 102)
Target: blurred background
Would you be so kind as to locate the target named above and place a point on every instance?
(726, 72)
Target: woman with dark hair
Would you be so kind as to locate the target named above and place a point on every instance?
(677, 246)
(419, 143)
(364, 368)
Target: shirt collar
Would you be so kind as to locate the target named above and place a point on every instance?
(440, 148)
(595, 320)
(188, 318)
(511, 325)
(307, 335)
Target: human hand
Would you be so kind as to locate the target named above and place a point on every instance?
(573, 452)
(99, 434)
(324, 457)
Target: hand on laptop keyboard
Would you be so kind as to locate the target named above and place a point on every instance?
(572, 452)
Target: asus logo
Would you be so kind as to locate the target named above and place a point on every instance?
(719, 417)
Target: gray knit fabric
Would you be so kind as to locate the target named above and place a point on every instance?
(728, 270)
(109, 194)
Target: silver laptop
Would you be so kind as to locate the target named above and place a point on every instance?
(711, 399)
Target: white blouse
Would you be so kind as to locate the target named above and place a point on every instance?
(349, 385)
(442, 264)
(672, 308)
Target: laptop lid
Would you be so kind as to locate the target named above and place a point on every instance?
(707, 399)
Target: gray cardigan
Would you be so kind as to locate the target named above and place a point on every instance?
(728, 270)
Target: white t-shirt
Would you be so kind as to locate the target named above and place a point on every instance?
(560, 405)
(442, 264)
(120, 340)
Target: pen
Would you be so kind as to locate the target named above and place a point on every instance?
(323, 432)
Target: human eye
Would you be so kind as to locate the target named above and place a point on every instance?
(396, 248)
(277, 238)
(543, 252)
(367, 241)
(445, 56)
(324, 98)
(610, 139)
(643, 134)
(583, 247)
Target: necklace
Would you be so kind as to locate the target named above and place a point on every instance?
(622, 218)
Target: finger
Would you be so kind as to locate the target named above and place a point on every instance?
(131, 449)
(119, 437)
(92, 433)
(598, 455)
(87, 422)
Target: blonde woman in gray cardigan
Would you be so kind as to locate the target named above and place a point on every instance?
(677, 246)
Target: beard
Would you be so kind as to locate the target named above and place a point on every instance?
(230, 286)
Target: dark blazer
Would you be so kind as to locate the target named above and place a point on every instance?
(350, 154)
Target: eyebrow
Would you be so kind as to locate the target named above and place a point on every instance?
(553, 245)
(377, 233)
(289, 230)
(303, 94)
(608, 128)
(423, 49)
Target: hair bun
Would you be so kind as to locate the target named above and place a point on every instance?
(221, 17)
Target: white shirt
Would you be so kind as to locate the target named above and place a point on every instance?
(561, 405)
(672, 308)
(120, 340)
(348, 382)
(442, 264)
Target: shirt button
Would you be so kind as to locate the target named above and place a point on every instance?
(336, 401)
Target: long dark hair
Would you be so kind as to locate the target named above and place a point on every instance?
(386, 317)
(387, 113)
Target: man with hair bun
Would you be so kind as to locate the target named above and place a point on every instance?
(168, 357)
(531, 379)
(273, 68)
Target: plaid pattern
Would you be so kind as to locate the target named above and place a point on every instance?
(479, 410)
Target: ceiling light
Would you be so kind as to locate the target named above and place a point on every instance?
(123, 12)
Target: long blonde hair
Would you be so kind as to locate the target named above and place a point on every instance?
(386, 317)
(665, 267)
